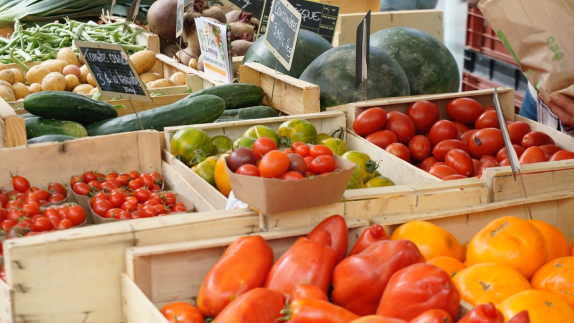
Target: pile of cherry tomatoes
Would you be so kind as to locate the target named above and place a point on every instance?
(91, 183)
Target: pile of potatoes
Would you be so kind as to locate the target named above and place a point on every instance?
(68, 73)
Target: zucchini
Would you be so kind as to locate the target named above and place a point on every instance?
(257, 112)
(235, 95)
(49, 138)
(187, 111)
(68, 106)
(37, 126)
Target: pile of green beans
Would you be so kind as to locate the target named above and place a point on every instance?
(43, 43)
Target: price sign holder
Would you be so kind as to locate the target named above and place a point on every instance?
(362, 50)
(132, 13)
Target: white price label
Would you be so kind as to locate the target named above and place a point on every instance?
(234, 204)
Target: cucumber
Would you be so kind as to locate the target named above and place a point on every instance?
(235, 95)
(48, 138)
(257, 112)
(37, 126)
(68, 106)
(187, 111)
(26, 115)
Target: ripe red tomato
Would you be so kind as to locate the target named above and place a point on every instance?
(81, 188)
(57, 188)
(460, 161)
(117, 198)
(484, 158)
(273, 164)
(399, 150)
(550, 150)
(440, 150)
(296, 145)
(112, 175)
(308, 161)
(486, 141)
(123, 179)
(142, 194)
(487, 164)
(181, 312)
(320, 150)
(369, 121)
(464, 110)
(20, 183)
(532, 155)
(128, 206)
(453, 177)
(248, 169)
(561, 155)
(536, 138)
(402, 125)
(113, 213)
(42, 194)
(134, 184)
(294, 176)
(146, 179)
(75, 179)
(303, 151)
(157, 177)
(442, 130)
(382, 138)
(64, 224)
(89, 176)
(517, 130)
(503, 153)
(76, 214)
(461, 128)
(95, 185)
(135, 174)
(55, 198)
(505, 162)
(427, 163)
(424, 114)
(101, 196)
(32, 208)
(489, 108)
(42, 224)
(488, 119)
(4, 200)
(148, 212)
(442, 171)
(323, 164)
(30, 198)
(169, 198)
(476, 166)
(101, 206)
(419, 147)
(262, 146)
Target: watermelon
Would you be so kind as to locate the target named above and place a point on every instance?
(334, 72)
(428, 64)
(308, 47)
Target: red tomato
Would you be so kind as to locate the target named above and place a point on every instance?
(169, 198)
(549, 150)
(117, 198)
(484, 158)
(100, 196)
(296, 145)
(441, 171)
(305, 291)
(142, 194)
(248, 169)
(135, 184)
(146, 179)
(303, 151)
(323, 164)
(287, 151)
(424, 114)
(181, 312)
(128, 206)
(487, 164)
(320, 150)
(273, 164)
(402, 125)
(517, 130)
(294, 176)
(55, 198)
(89, 176)
(489, 108)
(42, 194)
(440, 150)
(382, 138)
(101, 206)
(561, 155)
(20, 183)
(113, 213)
(461, 128)
(76, 179)
(113, 175)
(427, 163)
(57, 188)
(443, 130)
(134, 174)
(4, 200)
(369, 121)
(262, 146)
(460, 161)
(76, 215)
(399, 150)
(42, 224)
(488, 119)
(30, 198)
(503, 153)
(532, 155)
(123, 179)
(308, 161)
(486, 141)
(94, 184)
(536, 138)
(32, 208)
(14, 204)
(453, 177)
(109, 187)
(464, 110)
(8, 224)
(64, 224)
(148, 212)
(505, 162)
(419, 147)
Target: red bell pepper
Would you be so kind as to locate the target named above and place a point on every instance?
(243, 266)
(521, 317)
(483, 313)
(309, 261)
(259, 305)
(433, 316)
(318, 311)
(359, 280)
(337, 227)
(418, 288)
(373, 234)
(305, 291)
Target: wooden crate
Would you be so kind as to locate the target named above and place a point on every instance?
(354, 6)
(538, 178)
(158, 275)
(429, 21)
(12, 127)
(415, 191)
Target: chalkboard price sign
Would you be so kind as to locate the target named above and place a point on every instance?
(282, 31)
(113, 71)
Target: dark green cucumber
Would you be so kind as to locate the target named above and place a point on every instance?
(187, 111)
(26, 115)
(257, 112)
(48, 138)
(37, 126)
(235, 95)
(68, 106)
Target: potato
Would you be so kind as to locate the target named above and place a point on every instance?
(35, 88)
(90, 80)
(193, 63)
(159, 76)
(143, 61)
(20, 90)
(54, 82)
(159, 83)
(8, 76)
(72, 69)
(55, 65)
(84, 76)
(6, 94)
(71, 82)
(68, 55)
(36, 74)
(149, 77)
(8, 85)
(178, 78)
(94, 91)
(83, 89)
(2, 67)
(19, 75)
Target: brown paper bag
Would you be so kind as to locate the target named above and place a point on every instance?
(538, 33)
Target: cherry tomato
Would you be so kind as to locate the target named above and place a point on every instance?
(532, 155)
(248, 169)
(561, 155)
(399, 150)
(109, 187)
(308, 161)
(264, 145)
(42, 224)
(549, 150)
(123, 179)
(294, 176)
(142, 194)
(30, 198)
(50, 212)
(460, 161)
(55, 198)
(32, 208)
(169, 198)
(320, 150)
(116, 183)
(489, 108)
(369, 121)
(179, 207)
(112, 213)
(486, 141)
(75, 180)
(440, 150)
(89, 176)
(442, 171)
(273, 164)
(157, 177)
(148, 212)
(117, 198)
(503, 153)
(55, 220)
(94, 184)
(323, 164)
(64, 224)
(536, 138)
(298, 163)
(464, 110)
(442, 130)
(476, 166)
(155, 188)
(487, 164)
(99, 196)
(488, 119)
(135, 184)
(453, 177)
(128, 206)
(419, 147)
(102, 206)
(8, 224)
(303, 151)
(112, 175)
(424, 114)
(461, 128)
(16, 214)
(134, 174)
(427, 163)
(402, 125)
(57, 188)
(124, 215)
(181, 312)
(517, 130)
(76, 215)
(20, 183)
(288, 151)
(296, 144)
(382, 138)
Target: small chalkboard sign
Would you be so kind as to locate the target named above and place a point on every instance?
(282, 31)
(179, 22)
(112, 70)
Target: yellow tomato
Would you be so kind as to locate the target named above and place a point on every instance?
(542, 307)
(432, 240)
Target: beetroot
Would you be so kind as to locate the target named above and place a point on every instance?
(162, 17)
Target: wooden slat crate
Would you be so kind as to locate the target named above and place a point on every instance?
(12, 127)
(158, 275)
(415, 191)
(429, 21)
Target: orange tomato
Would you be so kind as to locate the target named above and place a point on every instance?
(449, 264)
(542, 307)
(558, 245)
(432, 240)
(511, 241)
(562, 284)
(221, 177)
(377, 319)
(484, 283)
(539, 279)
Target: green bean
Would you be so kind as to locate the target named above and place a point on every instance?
(64, 33)
(30, 46)
(79, 31)
(18, 62)
(135, 48)
(25, 55)
(87, 37)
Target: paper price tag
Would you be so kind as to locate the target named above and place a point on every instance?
(234, 204)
